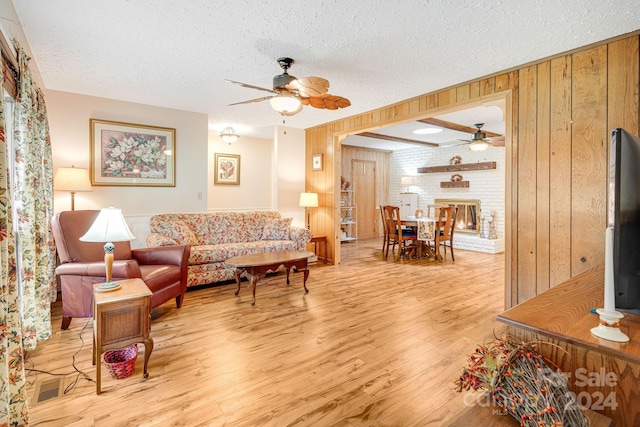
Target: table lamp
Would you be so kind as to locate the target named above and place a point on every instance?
(72, 179)
(110, 226)
(408, 181)
(309, 200)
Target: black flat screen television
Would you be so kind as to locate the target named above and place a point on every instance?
(624, 216)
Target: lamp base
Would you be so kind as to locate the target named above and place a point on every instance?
(108, 286)
(609, 327)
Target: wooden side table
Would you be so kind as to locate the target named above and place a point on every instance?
(121, 318)
(319, 239)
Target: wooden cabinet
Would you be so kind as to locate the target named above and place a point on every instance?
(348, 217)
(121, 318)
(603, 374)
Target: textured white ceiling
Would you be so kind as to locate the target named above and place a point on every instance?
(177, 53)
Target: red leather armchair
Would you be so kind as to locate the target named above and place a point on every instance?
(163, 269)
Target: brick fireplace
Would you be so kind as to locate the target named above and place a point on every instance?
(468, 220)
(467, 233)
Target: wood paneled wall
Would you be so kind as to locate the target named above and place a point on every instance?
(559, 112)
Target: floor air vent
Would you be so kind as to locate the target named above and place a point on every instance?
(47, 390)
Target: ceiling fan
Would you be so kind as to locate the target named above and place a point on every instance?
(479, 140)
(289, 93)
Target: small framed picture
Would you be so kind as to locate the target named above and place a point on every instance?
(227, 169)
(316, 162)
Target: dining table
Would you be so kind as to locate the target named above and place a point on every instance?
(425, 230)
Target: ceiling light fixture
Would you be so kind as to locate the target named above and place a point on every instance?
(286, 104)
(229, 136)
(426, 131)
(478, 145)
(479, 141)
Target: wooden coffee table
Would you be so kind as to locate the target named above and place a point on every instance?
(256, 265)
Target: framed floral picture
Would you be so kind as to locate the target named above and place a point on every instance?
(227, 167)
(131, 154)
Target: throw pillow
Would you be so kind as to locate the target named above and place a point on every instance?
(276, 229)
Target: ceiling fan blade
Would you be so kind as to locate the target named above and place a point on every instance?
(264, 98)
(454, 144)
(309, 86)
(342, 102)
(397, 139)
(330, 102)
(496, 142)
(251, 86)
(454, 126)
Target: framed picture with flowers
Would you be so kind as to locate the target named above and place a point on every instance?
(132, 154)
(227, 167)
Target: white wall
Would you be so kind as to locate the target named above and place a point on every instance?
(486, 185)
(289, 164)
(254, 191)
(69, 116)
(272, 174)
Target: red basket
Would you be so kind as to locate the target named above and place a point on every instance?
(122, 362)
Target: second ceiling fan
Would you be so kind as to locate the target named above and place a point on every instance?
(289, 93)
(479, 140)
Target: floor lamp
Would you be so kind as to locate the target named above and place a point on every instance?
(73, 180)
(309, 200)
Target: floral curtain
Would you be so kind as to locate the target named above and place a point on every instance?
(13, 394)
(33, 195)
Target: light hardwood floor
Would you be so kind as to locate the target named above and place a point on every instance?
(375, 342)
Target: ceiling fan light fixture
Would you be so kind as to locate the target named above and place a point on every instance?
(479, 140)
(478, 145)
(285, 103)
(292, 113)
(228, 135)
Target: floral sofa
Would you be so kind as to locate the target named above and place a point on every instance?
(217, 236)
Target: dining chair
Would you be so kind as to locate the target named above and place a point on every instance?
(398, 235)
(433, 211)
(444, 230)
(385, 229)
(444, 241)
